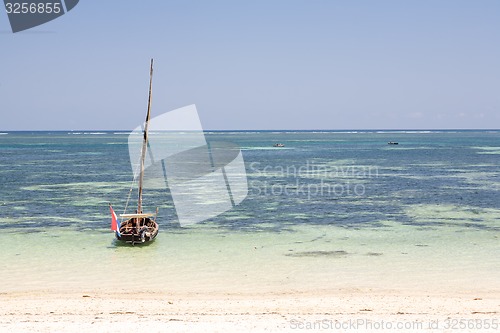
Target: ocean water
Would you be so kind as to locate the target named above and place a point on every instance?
(331, 210)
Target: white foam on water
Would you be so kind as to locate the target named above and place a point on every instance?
(488, 150)
(266, 148)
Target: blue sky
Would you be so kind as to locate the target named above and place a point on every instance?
(308, 64)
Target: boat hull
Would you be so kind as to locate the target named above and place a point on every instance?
(138, 232)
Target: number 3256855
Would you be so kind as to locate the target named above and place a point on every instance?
(33, 8)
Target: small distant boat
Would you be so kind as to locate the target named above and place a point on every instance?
(139, 227)
(393, 143)
(278, 145)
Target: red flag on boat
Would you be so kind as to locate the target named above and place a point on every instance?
(115, 223)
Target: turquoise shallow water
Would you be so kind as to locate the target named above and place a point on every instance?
(330, 210)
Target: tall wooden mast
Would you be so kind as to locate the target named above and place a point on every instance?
(145, 140)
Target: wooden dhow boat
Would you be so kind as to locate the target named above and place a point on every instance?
(140, 227)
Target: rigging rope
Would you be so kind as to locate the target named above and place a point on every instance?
(132, 183)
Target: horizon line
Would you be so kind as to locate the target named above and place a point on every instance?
(265, 130)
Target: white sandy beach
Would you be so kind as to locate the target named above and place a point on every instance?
(334, 311)
(251, 287)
